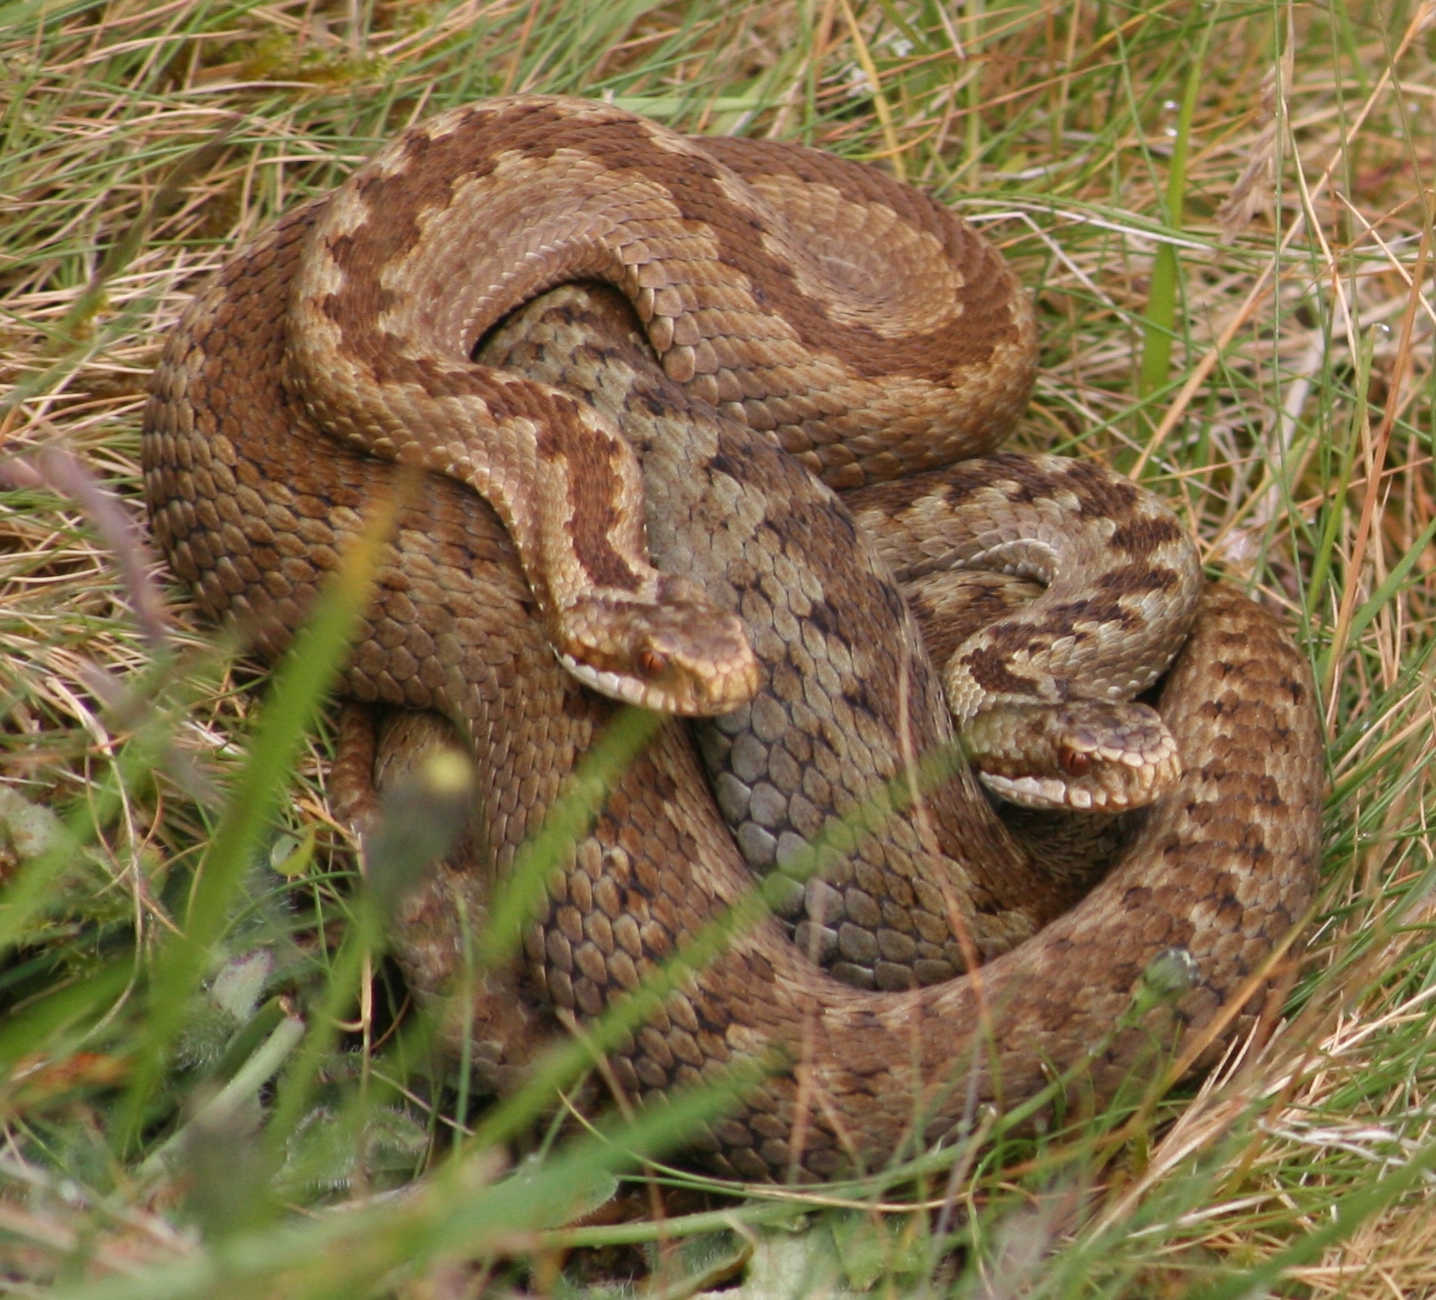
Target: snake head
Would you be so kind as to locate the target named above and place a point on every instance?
(678, 654)
(1080, 756)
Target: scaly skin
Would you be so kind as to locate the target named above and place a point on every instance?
(253, 505)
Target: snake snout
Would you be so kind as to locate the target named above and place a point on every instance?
(683, 656)
(1084, 756)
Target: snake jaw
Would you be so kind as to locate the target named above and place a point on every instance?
(1081, 756)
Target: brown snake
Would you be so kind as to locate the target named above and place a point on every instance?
(253, 502)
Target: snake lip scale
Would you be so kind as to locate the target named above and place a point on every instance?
(258, 477)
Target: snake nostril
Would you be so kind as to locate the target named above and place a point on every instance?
(1075, 762)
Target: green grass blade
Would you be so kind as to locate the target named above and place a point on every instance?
(27, 1032)
(1382, 596)
(627, 736)
(1159, 319)
(299, 687)
(459, 1213)
(1350, 1212)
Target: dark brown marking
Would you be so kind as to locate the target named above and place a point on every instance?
(396, 202)
(1134, 578)
(1060, 619)
(594, 489)
(692, 182)
(988, 668)
(985, 322)
(1100, 494)
(1145, 534)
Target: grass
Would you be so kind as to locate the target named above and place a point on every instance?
(1224, 212)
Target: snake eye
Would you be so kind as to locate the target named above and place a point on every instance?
(652, 664)
(1076, 763)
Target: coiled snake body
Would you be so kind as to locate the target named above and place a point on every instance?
(254, 499)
